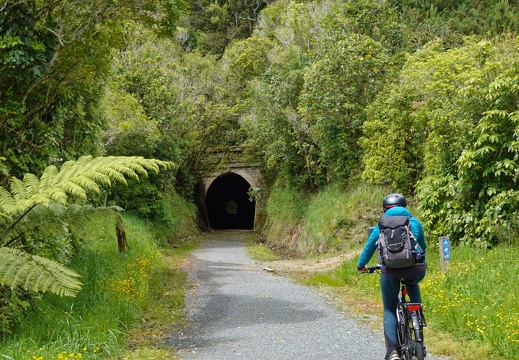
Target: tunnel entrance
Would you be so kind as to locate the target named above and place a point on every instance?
(227, 203)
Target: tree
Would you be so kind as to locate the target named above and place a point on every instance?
(275, 135)
(57, 197)
(451, 20)
(337, 89)
(55, 56)
(327, 63)
(178, 98)
(419, 124)
(213, 25)
(446, 131)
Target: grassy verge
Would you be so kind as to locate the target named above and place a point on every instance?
(122, 291)
(333, 220)
(165, 311)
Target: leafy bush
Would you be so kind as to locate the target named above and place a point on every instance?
(446, 131)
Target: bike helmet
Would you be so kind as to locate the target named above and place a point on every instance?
(393, 200)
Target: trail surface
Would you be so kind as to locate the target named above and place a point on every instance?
(237, 310)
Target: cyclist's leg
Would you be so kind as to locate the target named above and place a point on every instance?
(390, 287)
(413, 289)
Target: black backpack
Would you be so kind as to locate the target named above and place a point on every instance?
(396, 243)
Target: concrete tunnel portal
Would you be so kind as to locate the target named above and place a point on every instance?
(227, 203)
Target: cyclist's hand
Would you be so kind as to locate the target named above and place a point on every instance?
(362, 268)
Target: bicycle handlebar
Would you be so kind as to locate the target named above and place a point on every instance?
(372, 269)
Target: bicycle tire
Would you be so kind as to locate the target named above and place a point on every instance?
(403, 332)
(419, 351)
(415, 337)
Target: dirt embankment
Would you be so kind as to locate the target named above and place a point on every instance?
(311, 265)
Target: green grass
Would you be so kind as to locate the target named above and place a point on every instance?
(261, 252)
(289, 207)
(327, 279)
(338, 218)
(333, 220)
(118, 291)
(165, 309)
(477, 298)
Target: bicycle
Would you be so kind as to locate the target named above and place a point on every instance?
(410, 324)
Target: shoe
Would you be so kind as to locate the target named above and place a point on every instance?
(393, 355)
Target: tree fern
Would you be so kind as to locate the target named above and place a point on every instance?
(37, 202)
(76, 178)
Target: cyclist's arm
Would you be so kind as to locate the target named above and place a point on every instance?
(369, 248)
(418, 233)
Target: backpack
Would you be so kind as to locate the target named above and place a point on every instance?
(396, 243)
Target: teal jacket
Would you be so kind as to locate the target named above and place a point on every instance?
(371, 245)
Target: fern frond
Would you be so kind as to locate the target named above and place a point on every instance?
(21, 206)
(48, 177)
(98, 177)
(140, 170)
(126, 171)
(155, 166)
(72, 188)
(75, 178)
(57, 194)
(32, 185)
(35, 273)
(87, 183)
(66, 171)
(18, 190)
(7, 202)
(114, 174)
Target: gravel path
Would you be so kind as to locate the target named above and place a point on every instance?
(239, 311)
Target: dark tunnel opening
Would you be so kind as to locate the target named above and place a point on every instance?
(227, 203)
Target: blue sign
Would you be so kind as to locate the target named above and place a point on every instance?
(446, 249)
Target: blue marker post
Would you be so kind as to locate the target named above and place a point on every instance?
(445, 252)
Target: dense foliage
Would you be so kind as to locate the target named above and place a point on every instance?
(120, 291)
(209, 26)
(34, 208)
(361, 88)
(451, 117)
(54, 58)
(414, 95)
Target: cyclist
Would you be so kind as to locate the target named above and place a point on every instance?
(395, 205)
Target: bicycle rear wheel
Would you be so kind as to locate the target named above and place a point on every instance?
(415, 338)
(419, 353)
(403, 333)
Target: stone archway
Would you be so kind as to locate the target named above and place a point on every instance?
(222, 196)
